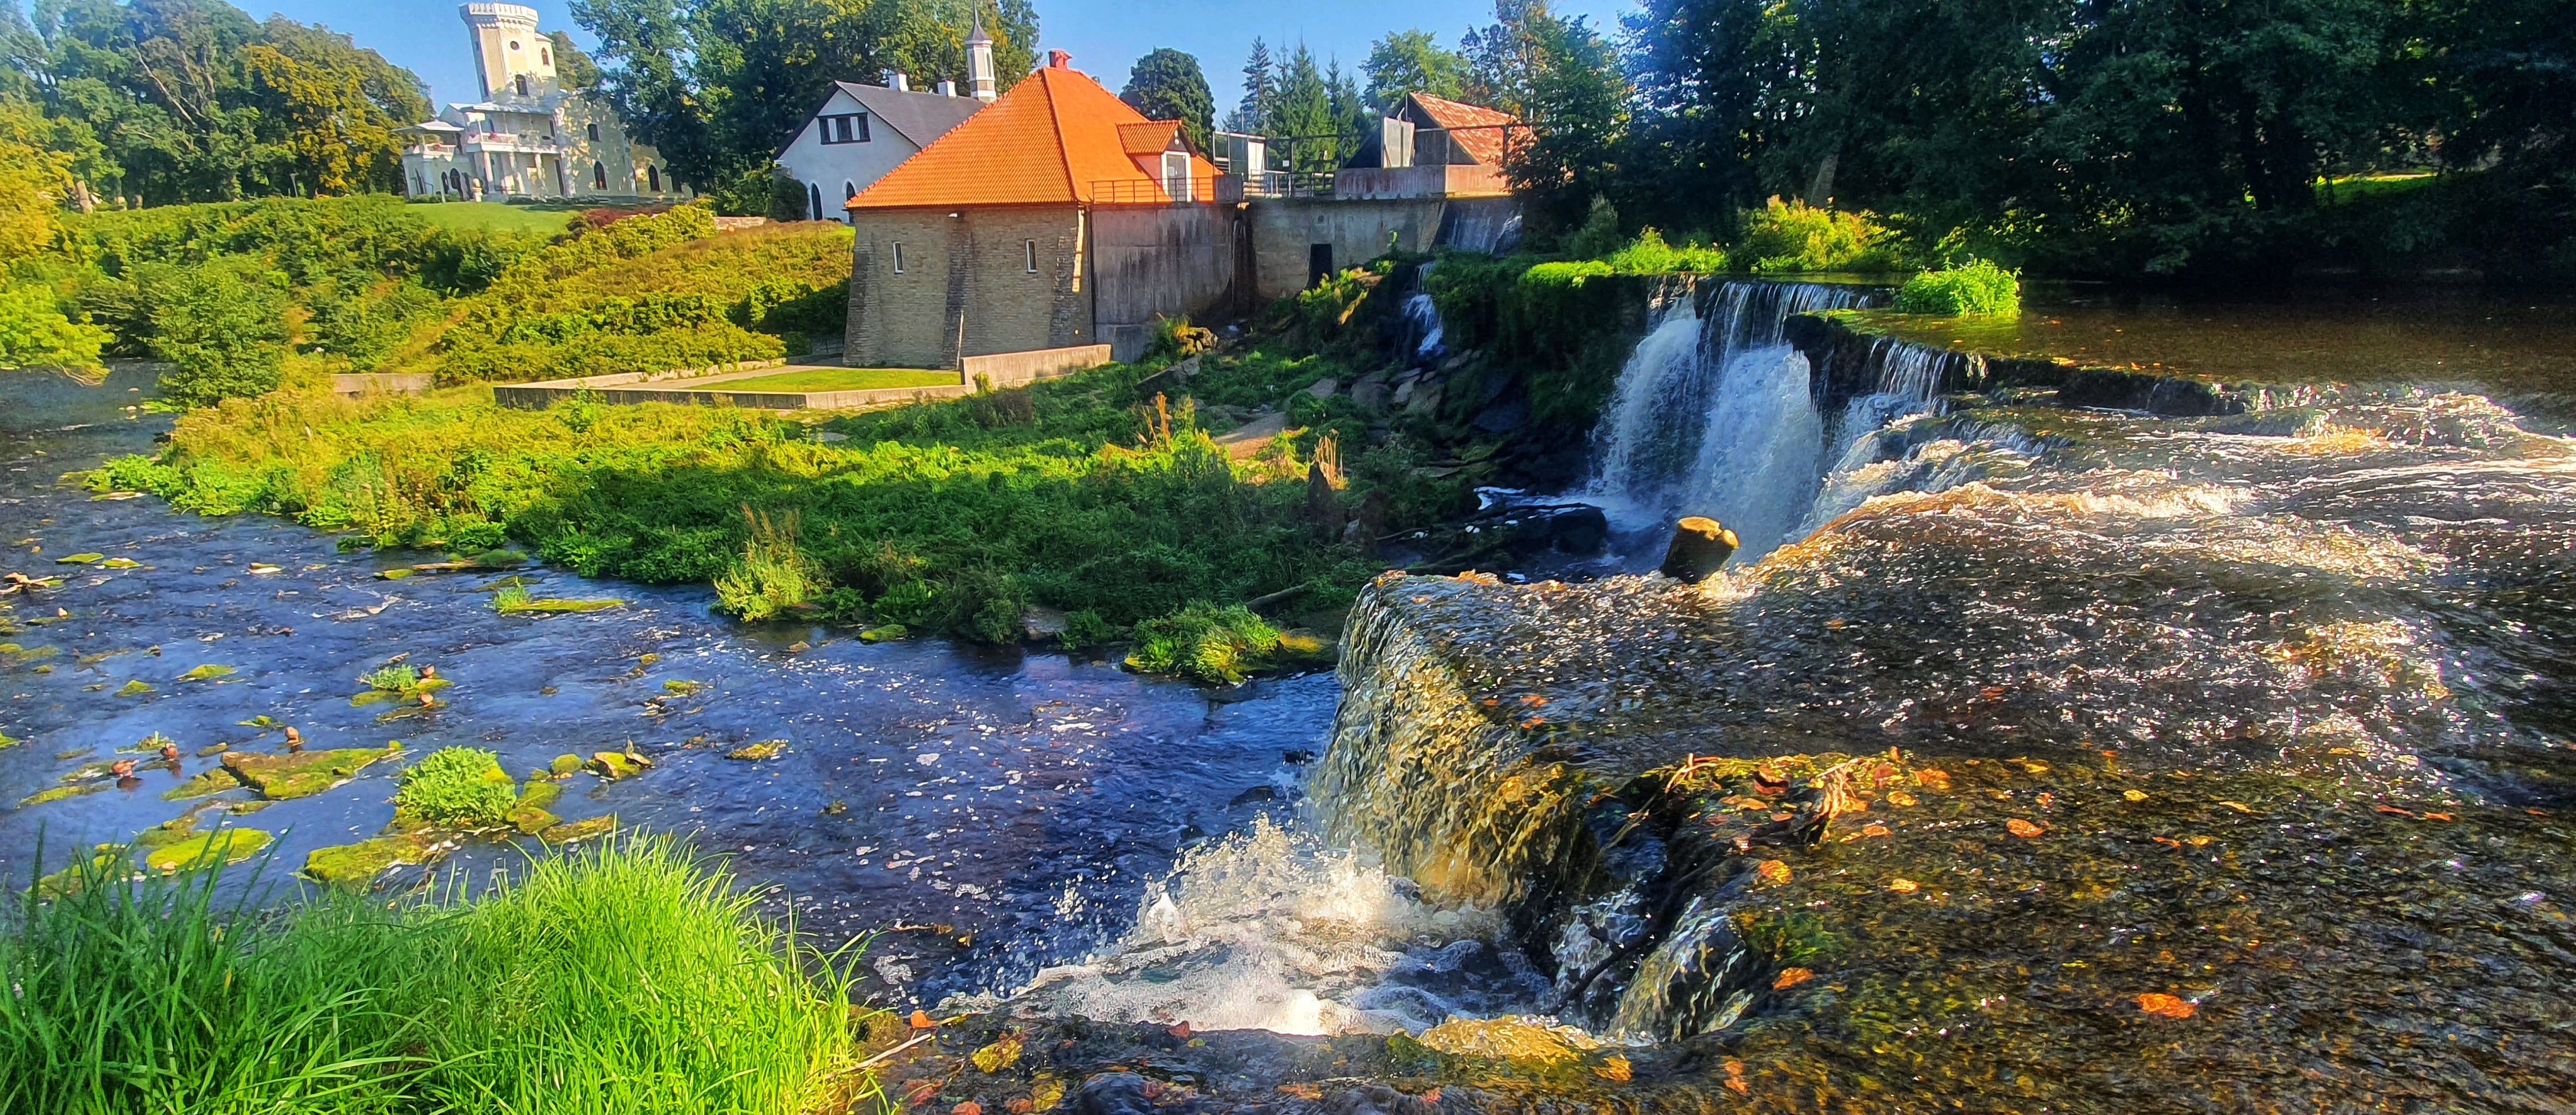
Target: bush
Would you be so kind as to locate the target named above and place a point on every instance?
(1977, 288)
(1205, 642)
(596, 982)
(35, 334)
(220, 324)
(1795, 236)
(456, 787)
(773, 575)
(1649, 255)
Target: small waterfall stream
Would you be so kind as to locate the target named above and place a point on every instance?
(1716, 414)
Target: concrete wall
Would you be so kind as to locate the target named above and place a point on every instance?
(1284, 231)
(1413, 183)
(1012, 369)
(965, 288)
(1165, 261)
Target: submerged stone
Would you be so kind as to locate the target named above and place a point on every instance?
(755, 752)
(618, 764)
(886, 633)
(584, 829)
(356, 866)
(207, 672)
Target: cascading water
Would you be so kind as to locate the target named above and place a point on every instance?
(1424, 331)
(1714, 415)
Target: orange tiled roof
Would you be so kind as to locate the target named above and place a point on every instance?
(1057, 138)
(1150, 138)
(1472, 127)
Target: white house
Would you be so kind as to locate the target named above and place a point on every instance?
(863, 131)
(528, 136)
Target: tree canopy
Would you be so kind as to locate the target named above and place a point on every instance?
(1167, 84)
(1407, 62)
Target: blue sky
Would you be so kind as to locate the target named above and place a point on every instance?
(1105, 36)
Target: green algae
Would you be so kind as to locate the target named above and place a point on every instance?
(618, 764)
(106, 861)
(134, 688)
(212, 781)
(887, 633)
(120, 563)
(303, 774)
(79, 559)
(7, 740)
(208, 672)
(61, 793)
(564, 765)
(397, 683)
(586, 829)
(756, 752)
(514, 600)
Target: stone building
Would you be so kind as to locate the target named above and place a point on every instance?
(528, 137)
(1057, 216)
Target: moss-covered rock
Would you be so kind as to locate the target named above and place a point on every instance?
(213, 781)
(60, 793)
(756, 752)
(564, 765)
(356, 866)
(223, 846)
(618, 764)
(584, 829)
(283, 777)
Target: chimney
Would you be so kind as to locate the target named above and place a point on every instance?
(947, 89)
(979, 63)
(1059, 60)
(898, 81)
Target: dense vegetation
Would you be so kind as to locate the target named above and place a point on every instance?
(591, 983)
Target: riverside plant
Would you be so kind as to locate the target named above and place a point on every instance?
(598, 982)
(1977, 288)
(457, 787)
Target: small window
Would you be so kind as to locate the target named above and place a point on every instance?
(514, 44)
(898, 259)
(545, 57)
(814, 198)
(849, 190)
(522, 82)
(653, 175)
(1031, 247)
(599, 175)
(850, 128)
(594, 132)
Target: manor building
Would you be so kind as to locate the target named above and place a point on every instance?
(528, 137)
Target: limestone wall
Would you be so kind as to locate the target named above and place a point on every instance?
(964, 286)
(1285, 231)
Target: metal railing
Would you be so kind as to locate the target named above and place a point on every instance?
(1144, 191)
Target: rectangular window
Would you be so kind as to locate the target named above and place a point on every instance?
(1033, 257)
(852, 128)
(898, 259)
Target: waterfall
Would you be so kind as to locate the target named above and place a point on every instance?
(1714, 415)
(1424, 330)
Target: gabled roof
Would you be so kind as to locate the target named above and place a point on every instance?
(1152, 137)
(919, 117)
(1477, 131)
(1055, 139)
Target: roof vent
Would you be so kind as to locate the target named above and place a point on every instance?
(947, 89)
(1059, 60)
(898, 81)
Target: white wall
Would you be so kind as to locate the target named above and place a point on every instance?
(835, 167)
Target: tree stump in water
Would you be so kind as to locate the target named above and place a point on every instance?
(1698, 548)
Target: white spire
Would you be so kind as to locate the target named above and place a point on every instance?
(979, 62)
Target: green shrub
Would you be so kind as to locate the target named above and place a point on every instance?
(1977, 288)
(1085, 628)
(1649, 255)
(221, 325)
(773, 575)
(458, 787)
(1205, 642)
(1794, 236)
(35, 334)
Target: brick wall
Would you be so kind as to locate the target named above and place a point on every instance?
(965, 287)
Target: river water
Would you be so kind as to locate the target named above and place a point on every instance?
(993, 812)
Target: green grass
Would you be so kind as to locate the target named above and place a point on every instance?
(629, 978)
(840, 379)
(1976, 288)
(493, 216)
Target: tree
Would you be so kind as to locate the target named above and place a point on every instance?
(1303, 114)
(574, 69)
(1258, 111)
(1167, 84)
(1575, 100)
(1406, 62)
(1504, 57)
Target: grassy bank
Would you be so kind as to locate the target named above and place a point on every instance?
(629, 979)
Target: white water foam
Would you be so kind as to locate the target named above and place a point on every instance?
(1268, 929)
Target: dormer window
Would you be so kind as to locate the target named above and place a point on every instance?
(850, 128)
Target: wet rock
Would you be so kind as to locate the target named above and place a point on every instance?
(356, 866)
(1699, 548)
(618, 764)
(1324, 510)
(564, 765)
(1255, 794)
(1040, 624)
(224, 846)
(1374, 390)
(585, 829)
(1324, 388)
(1504, 416)
(1113, 1093)
(2284, 422)
(757, 752)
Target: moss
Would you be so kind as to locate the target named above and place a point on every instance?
(355, 866)
(223, 846)
(516, 601)
(539, 792)
(564, 765)
(60, 793)
(208, 672)
(755, 752)
(213, 781)
(285, 777)
(79, 559)
(618, 764)
(531, 820)
(585, 829)
(888, 633)
(106, 861)
(135, 688)
(120, 563)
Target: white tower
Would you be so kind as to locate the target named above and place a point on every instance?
(979, 63)
(511, 58)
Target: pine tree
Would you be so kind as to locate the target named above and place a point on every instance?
(1259, 110)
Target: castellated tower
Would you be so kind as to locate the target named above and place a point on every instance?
(513, 60)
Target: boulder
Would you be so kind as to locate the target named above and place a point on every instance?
(1373, 390)
(1040, 623)
(1699, 547)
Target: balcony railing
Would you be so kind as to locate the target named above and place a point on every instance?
(1142, 191)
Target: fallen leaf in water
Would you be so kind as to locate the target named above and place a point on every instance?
(2439, 817)
(2167, 841)
(2391, 809)
(1904, 886)
(1875, 830)
(921, 1019)
(920, 1092)
(1772, 871)
(2197, 841)
(1019, 1106)
(2022, 828)
(999, 1055)
(1180, 1031)
(1303, 1091)
(1735, 1077)
(1791, 977)
(969, 1107)
(2133, 795)
(2047, 800)
(1432, 1096)
(1933, 779)
(2166, 1006)
(1900, 799)
(1614, 1068)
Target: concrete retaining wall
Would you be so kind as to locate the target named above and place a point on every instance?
(391, 383)
(1012, 369)
(1164, 261)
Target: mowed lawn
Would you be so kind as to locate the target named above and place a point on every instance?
(494, 216)
(839, 379)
